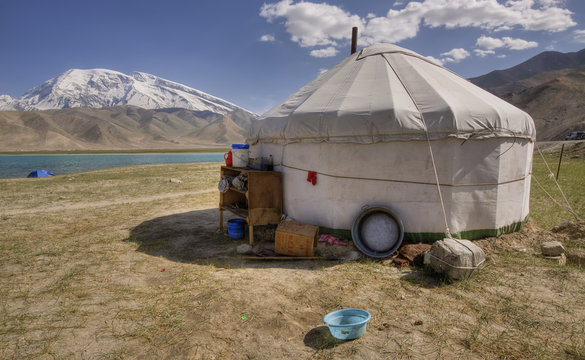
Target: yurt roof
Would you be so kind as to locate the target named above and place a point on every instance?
(386, 93)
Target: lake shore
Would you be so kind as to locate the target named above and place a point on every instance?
(20, 165)
(122, 151)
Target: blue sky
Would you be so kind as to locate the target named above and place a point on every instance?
(256, 53)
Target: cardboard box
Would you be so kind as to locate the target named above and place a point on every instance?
(296, 239)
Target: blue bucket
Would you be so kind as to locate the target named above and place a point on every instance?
(347, 324)
(236, 228)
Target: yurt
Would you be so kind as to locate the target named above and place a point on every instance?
(388, 127)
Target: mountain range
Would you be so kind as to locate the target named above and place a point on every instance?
(543, 62)
(101, 109)
(550, 87)
(124, 127)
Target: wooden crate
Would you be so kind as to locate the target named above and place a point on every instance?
(296, 239)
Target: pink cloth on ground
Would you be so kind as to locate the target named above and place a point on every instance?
(331, 240)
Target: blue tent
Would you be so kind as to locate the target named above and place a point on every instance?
(40, 173)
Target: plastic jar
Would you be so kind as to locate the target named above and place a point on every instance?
(240, 155)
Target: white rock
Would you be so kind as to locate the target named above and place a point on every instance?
(552, 248)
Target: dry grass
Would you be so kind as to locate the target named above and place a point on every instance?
(81, 277)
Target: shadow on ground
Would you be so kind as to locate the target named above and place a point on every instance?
(320, 338)
(194, 237)
(425, 278)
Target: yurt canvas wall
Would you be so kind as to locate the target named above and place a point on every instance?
(367, 127)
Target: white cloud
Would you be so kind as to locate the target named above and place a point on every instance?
(323, 71)
(550, 3)
(455, 55)
(452, 56)
(579, 36)
(326, 52)
(312, 24)
(502, 56)
(540, 15)
(435, 60)
(487, 43)
(488, 14)
(267, 38)
(483, 53)
(518, 44)
(390, 29)
(320, 24)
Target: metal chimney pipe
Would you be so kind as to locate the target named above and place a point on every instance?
(354, 39)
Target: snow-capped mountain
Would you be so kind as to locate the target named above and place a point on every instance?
(99, 88)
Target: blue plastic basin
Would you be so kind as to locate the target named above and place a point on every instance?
(347, 324)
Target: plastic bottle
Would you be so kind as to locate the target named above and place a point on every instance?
(270, 163)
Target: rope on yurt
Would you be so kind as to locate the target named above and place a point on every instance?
(568, 206)
(402, 181)
(447, 232)
(492, 130)
(555, 201)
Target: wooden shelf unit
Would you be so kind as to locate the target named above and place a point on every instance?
(261, 204)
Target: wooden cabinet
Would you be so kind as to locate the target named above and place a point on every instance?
(260, 204)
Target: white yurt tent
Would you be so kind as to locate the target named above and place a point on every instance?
(371, 128)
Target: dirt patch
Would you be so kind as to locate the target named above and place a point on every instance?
(573, 230)
(529, 238)
(570, 234)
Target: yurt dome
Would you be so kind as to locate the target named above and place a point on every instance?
(371, 128)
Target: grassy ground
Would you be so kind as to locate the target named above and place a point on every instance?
(122, 263)
(546, 211)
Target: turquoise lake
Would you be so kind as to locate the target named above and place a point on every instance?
(19, 166)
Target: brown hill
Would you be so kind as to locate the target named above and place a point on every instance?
(227, 131)
(543, 62)
(119, 128)
(557, 106)
(549, 86)
(521, 85)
